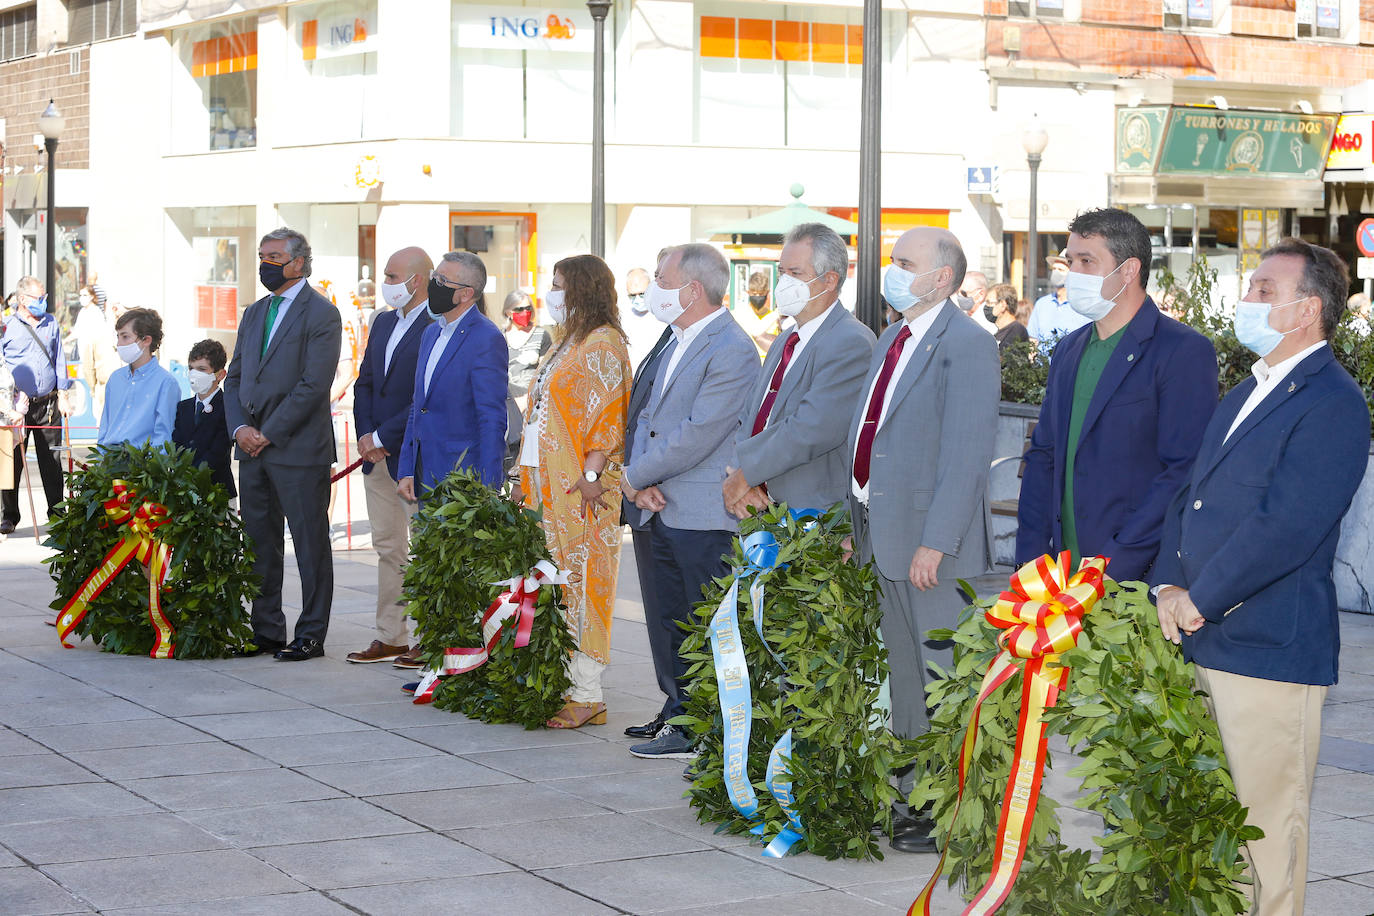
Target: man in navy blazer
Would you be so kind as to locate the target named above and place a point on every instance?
(1243, 580)
(458, 413)
(1127, 400)
(381, 407)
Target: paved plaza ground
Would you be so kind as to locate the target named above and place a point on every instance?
(251, 786)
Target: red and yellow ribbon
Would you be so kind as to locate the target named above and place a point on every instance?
(1040, 615)
(139, 543)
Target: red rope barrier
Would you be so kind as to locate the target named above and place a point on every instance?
(346, 471)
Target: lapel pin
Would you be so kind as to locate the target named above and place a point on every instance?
(928, 346)
(1292, 387)
(1130, 357)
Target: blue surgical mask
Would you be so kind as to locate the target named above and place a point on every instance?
(38, 307)
(897, 287)
(1253, 329)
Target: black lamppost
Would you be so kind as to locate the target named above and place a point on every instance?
(1034, 139)
(868, 304)
(51, 122)
(599, 9)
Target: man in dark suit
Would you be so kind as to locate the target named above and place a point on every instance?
(1243, 580)
(458, 414)
(789, 446)
(683, 442)
(920, 444)
(630, 514)
(1127, 400)
(199, 424)
(381, 406)
(276, 406)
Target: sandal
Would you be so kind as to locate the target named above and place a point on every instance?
(576, 715)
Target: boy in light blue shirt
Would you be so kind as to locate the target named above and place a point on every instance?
(141, 398)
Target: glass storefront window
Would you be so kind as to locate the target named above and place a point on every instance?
(215, 81)
(330, 68)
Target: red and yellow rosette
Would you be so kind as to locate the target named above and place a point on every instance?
(138, 543)
(1040, 615)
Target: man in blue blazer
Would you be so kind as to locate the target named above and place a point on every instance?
(458, 413)
(1127, 400)
(381, 407)
(1243, 580)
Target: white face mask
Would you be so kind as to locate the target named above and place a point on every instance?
(1085, 294)
(129, 352)
(897, 284)
(666, 304)
(555, 307)
(396, 294)
(792, 294)
(201, 382)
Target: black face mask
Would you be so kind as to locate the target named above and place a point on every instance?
(273, 276)
(442, 299)
(988, 314)
(758, 302)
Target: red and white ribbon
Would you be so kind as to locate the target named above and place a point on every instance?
(517, 603)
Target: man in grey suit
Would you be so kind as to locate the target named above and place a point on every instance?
(681, 446)
(790, 443)
(276, 405)
(921, 441)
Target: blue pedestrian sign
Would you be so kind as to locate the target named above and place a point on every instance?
(982, 179)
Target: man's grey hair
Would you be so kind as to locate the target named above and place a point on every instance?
(471, 271)
(948, 253)
(977, 276)
(708, 267)
(828, 251)
(30, 286)
(296, 246)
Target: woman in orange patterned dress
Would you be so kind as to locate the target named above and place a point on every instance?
(570, 465)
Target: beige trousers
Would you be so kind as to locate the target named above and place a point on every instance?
(390, 518)
(1271, 731)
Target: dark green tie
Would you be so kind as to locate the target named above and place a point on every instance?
(271, 320)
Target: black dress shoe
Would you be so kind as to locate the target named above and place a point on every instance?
(301, 648)
(261, 646)
(913, 832)
(647, 730)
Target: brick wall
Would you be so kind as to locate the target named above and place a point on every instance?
(25, 87)
(1269, 22)
(1149, 13)
(1234, 58)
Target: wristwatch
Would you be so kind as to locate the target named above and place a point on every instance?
(591, 476)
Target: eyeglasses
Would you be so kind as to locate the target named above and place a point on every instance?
(523, 308)
(447, 283)
(272, 259)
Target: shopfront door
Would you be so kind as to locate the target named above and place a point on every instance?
(506, 244)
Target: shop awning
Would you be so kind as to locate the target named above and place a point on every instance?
(780, 222)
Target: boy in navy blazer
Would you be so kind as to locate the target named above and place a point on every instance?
(1244, 577)
(199, 422)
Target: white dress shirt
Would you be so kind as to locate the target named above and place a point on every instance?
(804, 334)
(287, 298)
(920, 327)
(445, 336)
(398, 331)
(685, 336)
(1267, 378)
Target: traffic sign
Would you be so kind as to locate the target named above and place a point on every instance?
(1364, 238)
(983, 179)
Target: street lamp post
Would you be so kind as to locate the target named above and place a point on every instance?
(867, 303)
(599, 9)
(51, 122)
(1034, 139)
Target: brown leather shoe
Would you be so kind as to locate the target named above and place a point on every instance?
(377, 652)
(410, 660)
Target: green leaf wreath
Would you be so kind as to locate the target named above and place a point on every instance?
(466, 537)
(210, 581)
(821, 617)
(1153, 768)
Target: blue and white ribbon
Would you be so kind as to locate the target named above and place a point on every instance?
(736, 699)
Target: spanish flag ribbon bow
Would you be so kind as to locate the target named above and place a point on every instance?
(512, 607)
(1040, 616)
(139, 543)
